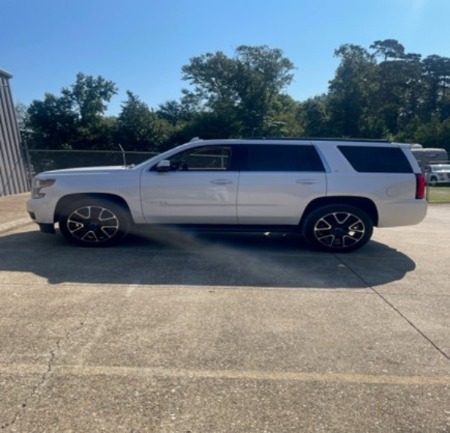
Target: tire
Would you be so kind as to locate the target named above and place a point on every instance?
(94, 222)
(338, 228)
(433, 181)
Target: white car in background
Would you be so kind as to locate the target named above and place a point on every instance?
(437, 173)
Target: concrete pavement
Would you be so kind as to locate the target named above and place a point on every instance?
(13, 211)
(218, 333)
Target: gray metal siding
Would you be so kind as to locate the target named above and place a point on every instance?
(13, 179)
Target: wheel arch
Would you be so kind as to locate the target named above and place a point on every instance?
(363, 203)
(68, 199)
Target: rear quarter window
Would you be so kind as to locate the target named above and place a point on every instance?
(367, 159)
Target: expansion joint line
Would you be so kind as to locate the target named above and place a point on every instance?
(393, 307)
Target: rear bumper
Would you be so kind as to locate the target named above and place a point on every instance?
(405, 213)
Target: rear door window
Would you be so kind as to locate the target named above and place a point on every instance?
(282, 158)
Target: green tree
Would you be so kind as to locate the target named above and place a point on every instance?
(139, 128)
(352, 91)
(436, 77)
(76, 118)
(89, 97)
(388, 48)
(243, 90)
(411, 70)
(175, 112)
(391, 78)
(286, 118)
(52, 122)
(315, 117)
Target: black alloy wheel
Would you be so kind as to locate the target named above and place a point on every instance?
(94, 223)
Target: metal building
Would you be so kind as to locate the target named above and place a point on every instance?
(13, 178)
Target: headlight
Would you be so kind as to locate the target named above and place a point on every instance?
(38, 185)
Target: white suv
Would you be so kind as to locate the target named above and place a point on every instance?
(332, 191)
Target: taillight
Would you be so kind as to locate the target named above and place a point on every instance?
(420, 185)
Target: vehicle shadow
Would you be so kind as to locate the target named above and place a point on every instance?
(207, 259)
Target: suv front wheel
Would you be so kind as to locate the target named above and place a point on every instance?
(337, 228)
(94, 222)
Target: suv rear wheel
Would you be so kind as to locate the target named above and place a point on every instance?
(338, 228)
(94, 222)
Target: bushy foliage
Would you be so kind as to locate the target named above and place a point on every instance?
(379, 92)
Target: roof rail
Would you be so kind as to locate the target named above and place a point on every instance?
(369, 140)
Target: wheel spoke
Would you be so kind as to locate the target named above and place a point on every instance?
(83, 213)
(90, 236)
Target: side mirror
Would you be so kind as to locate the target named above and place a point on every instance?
(163, 166)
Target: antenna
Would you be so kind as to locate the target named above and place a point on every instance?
(124, 157)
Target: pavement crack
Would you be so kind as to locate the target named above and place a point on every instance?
(397, 311)
(52, 360)
(34, 390)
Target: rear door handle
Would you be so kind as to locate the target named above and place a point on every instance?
(307, 181)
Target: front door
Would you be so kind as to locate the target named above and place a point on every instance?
(199, 188)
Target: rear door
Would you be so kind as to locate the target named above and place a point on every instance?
(277, 182)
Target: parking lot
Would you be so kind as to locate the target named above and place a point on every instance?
(172, 332)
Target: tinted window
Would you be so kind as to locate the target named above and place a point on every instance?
(376, 159)
(309, 159)
(283, 158)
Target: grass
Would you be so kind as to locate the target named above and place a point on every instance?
(438, 194)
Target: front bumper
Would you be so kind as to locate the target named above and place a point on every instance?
(47, 228)
(44, 227)
(42, 210)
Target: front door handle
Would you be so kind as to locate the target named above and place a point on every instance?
(307, 181)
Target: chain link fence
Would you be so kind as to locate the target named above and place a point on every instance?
(43, 160)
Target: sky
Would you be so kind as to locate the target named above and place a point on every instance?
(141, 45)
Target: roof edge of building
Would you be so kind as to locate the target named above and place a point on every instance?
(6, 74)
